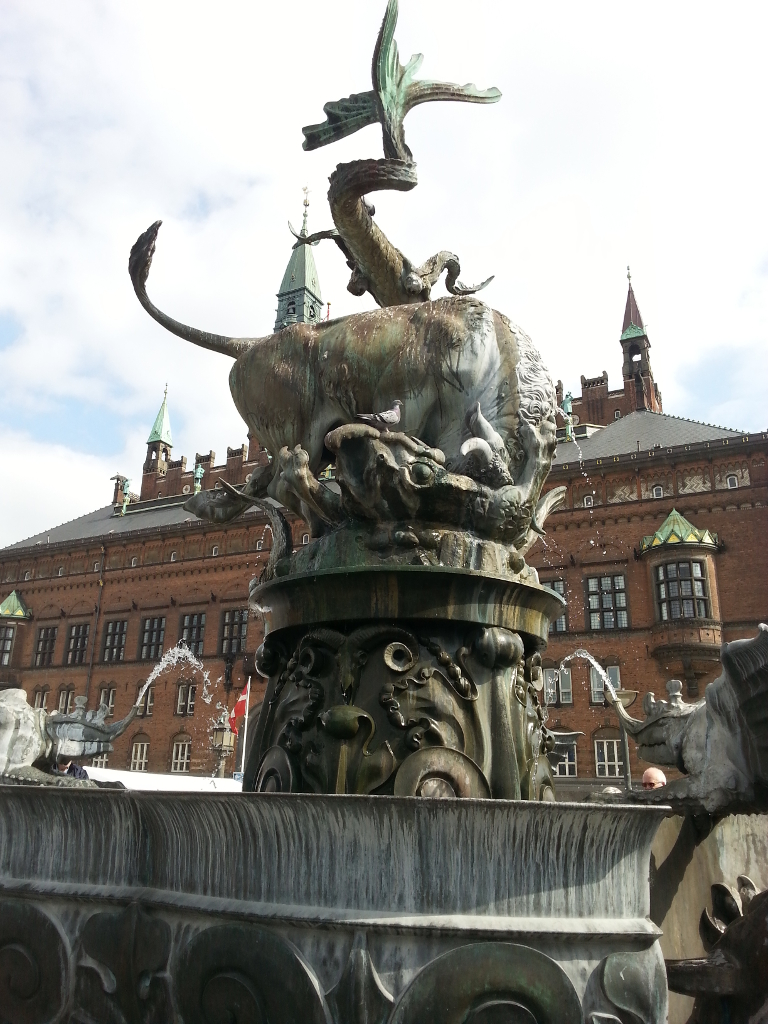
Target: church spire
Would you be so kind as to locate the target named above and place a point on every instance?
(299, 299)
(159, 442)
(161, 430)
(633, 326)
(636, 369)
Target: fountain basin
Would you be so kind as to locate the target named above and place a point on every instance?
(348, 891)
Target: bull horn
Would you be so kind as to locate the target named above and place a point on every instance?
(139, 263)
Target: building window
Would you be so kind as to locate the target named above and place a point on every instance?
(597, 684)
(77, 644)
(61, 570)
(588, 501)
(41, 699)
(6, 643)
(607, 602)
(731, 481)
(107, 697)
(134, 561)
(66, 701)
(182, 752)
(558, 687)
(147, 702)
(215, 550)
(557, 625)
(114, 640)
(27, 576)
(617, 414)
(305, 539)
(658, 491)
(173, 556)
(259, 545)
(681, 591)
(46, 641)
(101, 761)
(608, 759)
(96, 566)
(152, 636)
(139, 755)
(185, 699)
(566, 768)
(193, 632)
(234, 627)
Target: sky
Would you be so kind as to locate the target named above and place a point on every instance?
(626, 135)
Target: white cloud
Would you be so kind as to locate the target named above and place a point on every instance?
(623, 136)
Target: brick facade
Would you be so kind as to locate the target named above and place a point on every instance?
(185, 569)
(155, 562)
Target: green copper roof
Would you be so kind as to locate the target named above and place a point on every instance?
(161, 431)
(14, 608)
(677, 530)
(301, 272)
(633, 331)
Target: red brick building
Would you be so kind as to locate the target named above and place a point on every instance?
(89, 606)
(660, 551)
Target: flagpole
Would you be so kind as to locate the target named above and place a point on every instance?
(245, 727)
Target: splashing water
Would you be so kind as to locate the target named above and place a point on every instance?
(171, 658)
(582, 654)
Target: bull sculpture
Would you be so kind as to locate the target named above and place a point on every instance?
(473, 387)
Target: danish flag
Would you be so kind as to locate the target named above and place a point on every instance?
(240, 709)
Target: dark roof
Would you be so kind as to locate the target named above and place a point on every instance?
(650, 429)
(632, 316)
(145, 515)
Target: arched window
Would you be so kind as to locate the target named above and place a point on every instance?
(305, 539)
(61, 570)
(134, 561)
(589, 501)
(140, 753)
(732, 481)
(41, 698)
(658, 491)
(181, 753)
(215, 550)
(609, 758)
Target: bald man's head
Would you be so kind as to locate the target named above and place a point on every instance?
(654, 778)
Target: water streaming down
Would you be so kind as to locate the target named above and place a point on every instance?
(181, 654)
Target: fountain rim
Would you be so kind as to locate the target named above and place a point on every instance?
(397, 593)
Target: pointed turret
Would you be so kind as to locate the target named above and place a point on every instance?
(161, 431)
(299, 299)
(159, 442)
(638, 376)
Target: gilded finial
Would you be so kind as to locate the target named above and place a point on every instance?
(305, 190)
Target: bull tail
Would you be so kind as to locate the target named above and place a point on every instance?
(139, 263)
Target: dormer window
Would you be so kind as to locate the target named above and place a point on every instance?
(732, 481)
(617, 414)
(658, 491)
(589, 501)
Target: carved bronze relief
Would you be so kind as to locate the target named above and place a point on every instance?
(440, 710)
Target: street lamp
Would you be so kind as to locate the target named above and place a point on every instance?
(223, 742)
